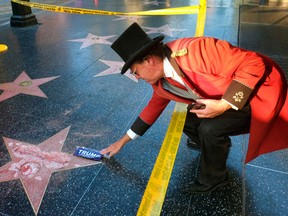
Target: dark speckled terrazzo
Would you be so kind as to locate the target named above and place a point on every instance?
(97, 110)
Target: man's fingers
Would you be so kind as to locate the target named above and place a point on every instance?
(109, 151)
(105, 151)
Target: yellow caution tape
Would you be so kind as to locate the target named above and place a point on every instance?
(169, 11)
(62, 9)
(155, 192)
(201, 19)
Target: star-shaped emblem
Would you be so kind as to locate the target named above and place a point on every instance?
(165, 29)
(115, 68)
(93, 39)
(131, 18)
(34, 164)
(23, 84)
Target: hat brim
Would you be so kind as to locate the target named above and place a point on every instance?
(140, 53)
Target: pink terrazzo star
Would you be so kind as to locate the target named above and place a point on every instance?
(115, 68)
(165, 29)
(24, 85)
(34, 164)
(93, 39)
(131, 18)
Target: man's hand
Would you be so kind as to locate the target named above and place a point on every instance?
(213, 108)
(115, 147)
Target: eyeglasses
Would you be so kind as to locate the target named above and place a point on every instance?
(134, 72)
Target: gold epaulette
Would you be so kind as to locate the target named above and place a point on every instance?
(179, 53)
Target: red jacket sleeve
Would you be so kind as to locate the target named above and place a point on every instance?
(154, 108)
(149, 114)
(237, 70)
(245, 68)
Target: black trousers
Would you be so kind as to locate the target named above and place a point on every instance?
(213, 135)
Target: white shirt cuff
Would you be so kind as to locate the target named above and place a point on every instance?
(131, 134)
(233, 106)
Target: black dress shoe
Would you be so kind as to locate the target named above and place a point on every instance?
(195, 143)
(198, 188)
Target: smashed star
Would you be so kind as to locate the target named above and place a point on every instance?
(33, 164)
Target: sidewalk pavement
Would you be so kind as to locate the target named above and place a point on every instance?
(72, 95)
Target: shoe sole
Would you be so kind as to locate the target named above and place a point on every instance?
(222, 184)
(194, 146)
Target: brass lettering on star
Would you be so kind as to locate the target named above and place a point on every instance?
(26, 83)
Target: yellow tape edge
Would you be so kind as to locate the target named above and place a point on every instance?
(155, 192)
(169, 11)
(62, 9)
(201, 19)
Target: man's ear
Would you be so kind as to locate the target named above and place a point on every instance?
(150, 59)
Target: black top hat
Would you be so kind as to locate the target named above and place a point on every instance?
(133, 44)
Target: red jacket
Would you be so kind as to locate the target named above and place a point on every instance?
(215, 69)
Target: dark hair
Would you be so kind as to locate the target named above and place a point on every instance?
(158, 50)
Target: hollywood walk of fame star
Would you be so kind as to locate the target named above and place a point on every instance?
(163, 30)
(33, 165)
(131, 18)
(115, 68)
(93, 39)
(23, 84)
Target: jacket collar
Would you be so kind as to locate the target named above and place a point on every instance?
(168, 53)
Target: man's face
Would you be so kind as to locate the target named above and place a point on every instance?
(150, 70)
